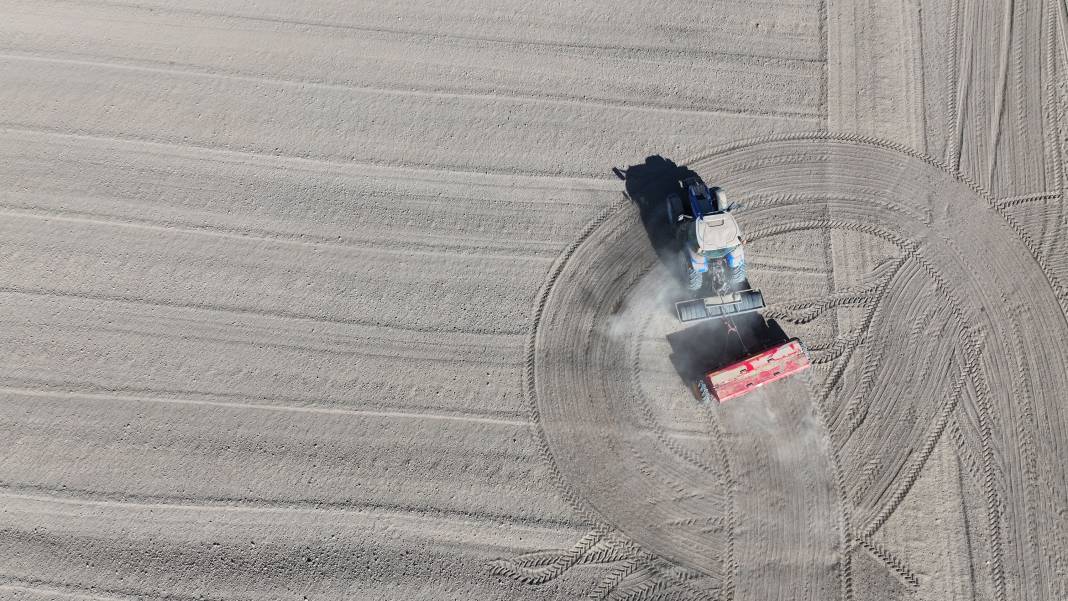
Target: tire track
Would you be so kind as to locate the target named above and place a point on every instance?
(642, 404)
(845, 514)
(78, 396)
(63, 589)
(529, 371)
(558, 566)
(608, 550)
(943, 287)
(1000, 425)
(1055, 137)
(914, 80)
(237, 310)
(897, 567)
(804, 312)
(1012, 201)
(102, 499)
(1063, 21)
(982, 193)
(1056, 108)
(872, 309)
(964, 451)
(994, 501)
(281, 333)
(963, 74)
(1001, 87)
(1000, 114)
(149, 67)
(614, 577)
(299, 241)
(318, 554)
(730, 564)
(653, 51)
(318, 166)
(912, 473)
(854, 410)
(324, 349)
(172, 144)
(829, 353)
(335, 208)
(954, 110)
(824, 52)
(647, 471)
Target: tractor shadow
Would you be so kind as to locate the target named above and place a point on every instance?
(648, 186)
(714, 344)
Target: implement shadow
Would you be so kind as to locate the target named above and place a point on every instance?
(717, 343)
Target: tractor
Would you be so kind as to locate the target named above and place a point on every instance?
(715, 260)
(715, 263)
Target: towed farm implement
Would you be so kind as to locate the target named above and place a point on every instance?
(715, 272)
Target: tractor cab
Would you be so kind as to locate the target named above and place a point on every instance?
(715, 236)
(703, 201)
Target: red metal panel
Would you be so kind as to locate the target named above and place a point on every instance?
(744, 376)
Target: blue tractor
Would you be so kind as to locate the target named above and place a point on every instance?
(715, 260)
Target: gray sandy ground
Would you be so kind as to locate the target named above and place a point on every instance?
(340, 300)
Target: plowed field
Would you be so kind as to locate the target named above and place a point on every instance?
(342, 300)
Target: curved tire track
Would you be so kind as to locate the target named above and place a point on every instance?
(617, 466)
(977, 262)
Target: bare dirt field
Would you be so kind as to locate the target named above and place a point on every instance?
(341, 300)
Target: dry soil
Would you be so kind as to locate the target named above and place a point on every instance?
(341, 300)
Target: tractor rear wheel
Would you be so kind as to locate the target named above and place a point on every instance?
(706, 394)
(694, 278)
(674, 208)
(738, 274)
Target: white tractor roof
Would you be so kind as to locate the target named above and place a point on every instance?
(717, 231)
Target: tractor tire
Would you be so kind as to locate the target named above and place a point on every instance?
(694, 279)
(704, 392)
(737, 276)
(719, 198)
(674, 208)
